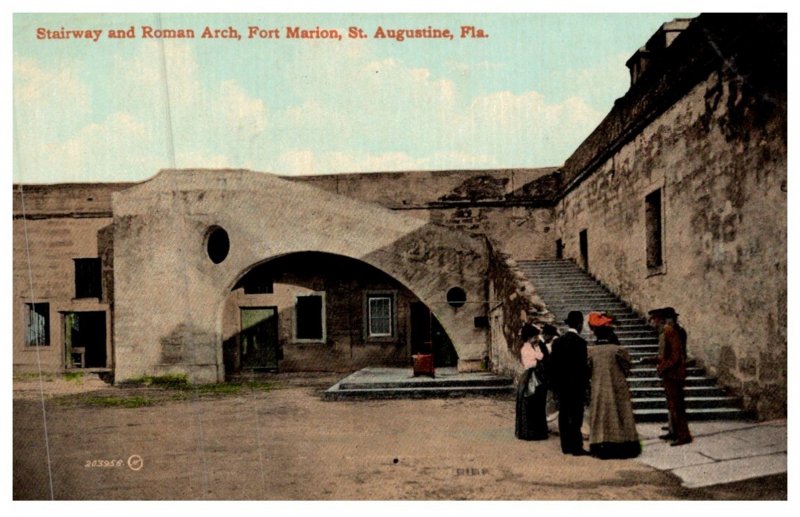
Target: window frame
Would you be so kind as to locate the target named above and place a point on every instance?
(375, 295)
(28, 310)
(94, 281)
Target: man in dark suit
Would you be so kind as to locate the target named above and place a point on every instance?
(570, 378)
(672, 370)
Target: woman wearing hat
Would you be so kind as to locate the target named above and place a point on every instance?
(612, 427)
(531, 421)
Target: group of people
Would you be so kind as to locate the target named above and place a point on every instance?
(577, 374)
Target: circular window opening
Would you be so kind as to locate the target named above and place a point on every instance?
(456, 297)
(218, 244)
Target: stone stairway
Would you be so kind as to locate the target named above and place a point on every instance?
(563, 286)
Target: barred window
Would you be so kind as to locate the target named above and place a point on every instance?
(88, 283)
(37, 324)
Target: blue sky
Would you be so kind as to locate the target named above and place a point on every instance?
(120, 110)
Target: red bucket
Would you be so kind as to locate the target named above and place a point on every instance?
(423, 364)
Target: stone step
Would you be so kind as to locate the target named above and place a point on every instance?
(691, 372)
(630, 332)
(656, 382)
(425, 382)
(555, 274)
(638, 356)
(548, 267)
(637, 346)
(566, 285)
(551, 271)
(588, 306)
(415, 392)
(696, 414)
(627, 339)
(570, 298)
(575, 292)
(642, 392)
(692, 402)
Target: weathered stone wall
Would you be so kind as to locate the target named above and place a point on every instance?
(719, 156)
(513, 302)
(169, 296)
(526, 233)
(510, 206)
(421, 189)
(78, 200)
(44, 246)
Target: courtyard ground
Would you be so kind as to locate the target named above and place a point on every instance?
(277, 440)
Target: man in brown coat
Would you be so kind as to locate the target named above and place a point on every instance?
(672, 370)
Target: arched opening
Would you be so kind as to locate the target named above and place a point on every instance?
(314, 311)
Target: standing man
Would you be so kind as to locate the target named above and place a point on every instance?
(672, 370)
(549, 334)
(569, 365)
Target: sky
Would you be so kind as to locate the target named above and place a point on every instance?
(122, 109)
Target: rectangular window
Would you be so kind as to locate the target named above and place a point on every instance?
(653, 227)
(379, 316)
(37, 324)
(88, 278)
(309, 313)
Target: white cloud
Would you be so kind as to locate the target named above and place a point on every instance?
(37, 87)
(399, 117)
(246, 115)
(110, 150)
(201, 160)
(354, 113)
(297, 162)
(213, 126)
(141, 76)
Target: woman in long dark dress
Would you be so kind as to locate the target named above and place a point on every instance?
(531, 421)
(613, 429)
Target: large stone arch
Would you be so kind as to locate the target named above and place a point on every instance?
(168, 294)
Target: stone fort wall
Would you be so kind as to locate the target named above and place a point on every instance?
(718, 158)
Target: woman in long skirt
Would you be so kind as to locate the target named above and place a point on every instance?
(531, 421)
(613, 430)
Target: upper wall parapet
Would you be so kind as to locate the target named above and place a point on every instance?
(750, 46)
(434, 189)
(65, 200)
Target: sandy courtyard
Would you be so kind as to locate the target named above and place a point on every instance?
(287, 444)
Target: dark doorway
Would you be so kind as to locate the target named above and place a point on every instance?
(652, 219)
(559, 249)
(258, 339)
(85, 339)
(584, 245)
(428, 336)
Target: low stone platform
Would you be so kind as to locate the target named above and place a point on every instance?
(389, 383)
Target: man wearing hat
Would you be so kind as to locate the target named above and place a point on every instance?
(672, 370)
(549, 334)
(570, 377)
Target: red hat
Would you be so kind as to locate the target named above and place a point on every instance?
(597, 319)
